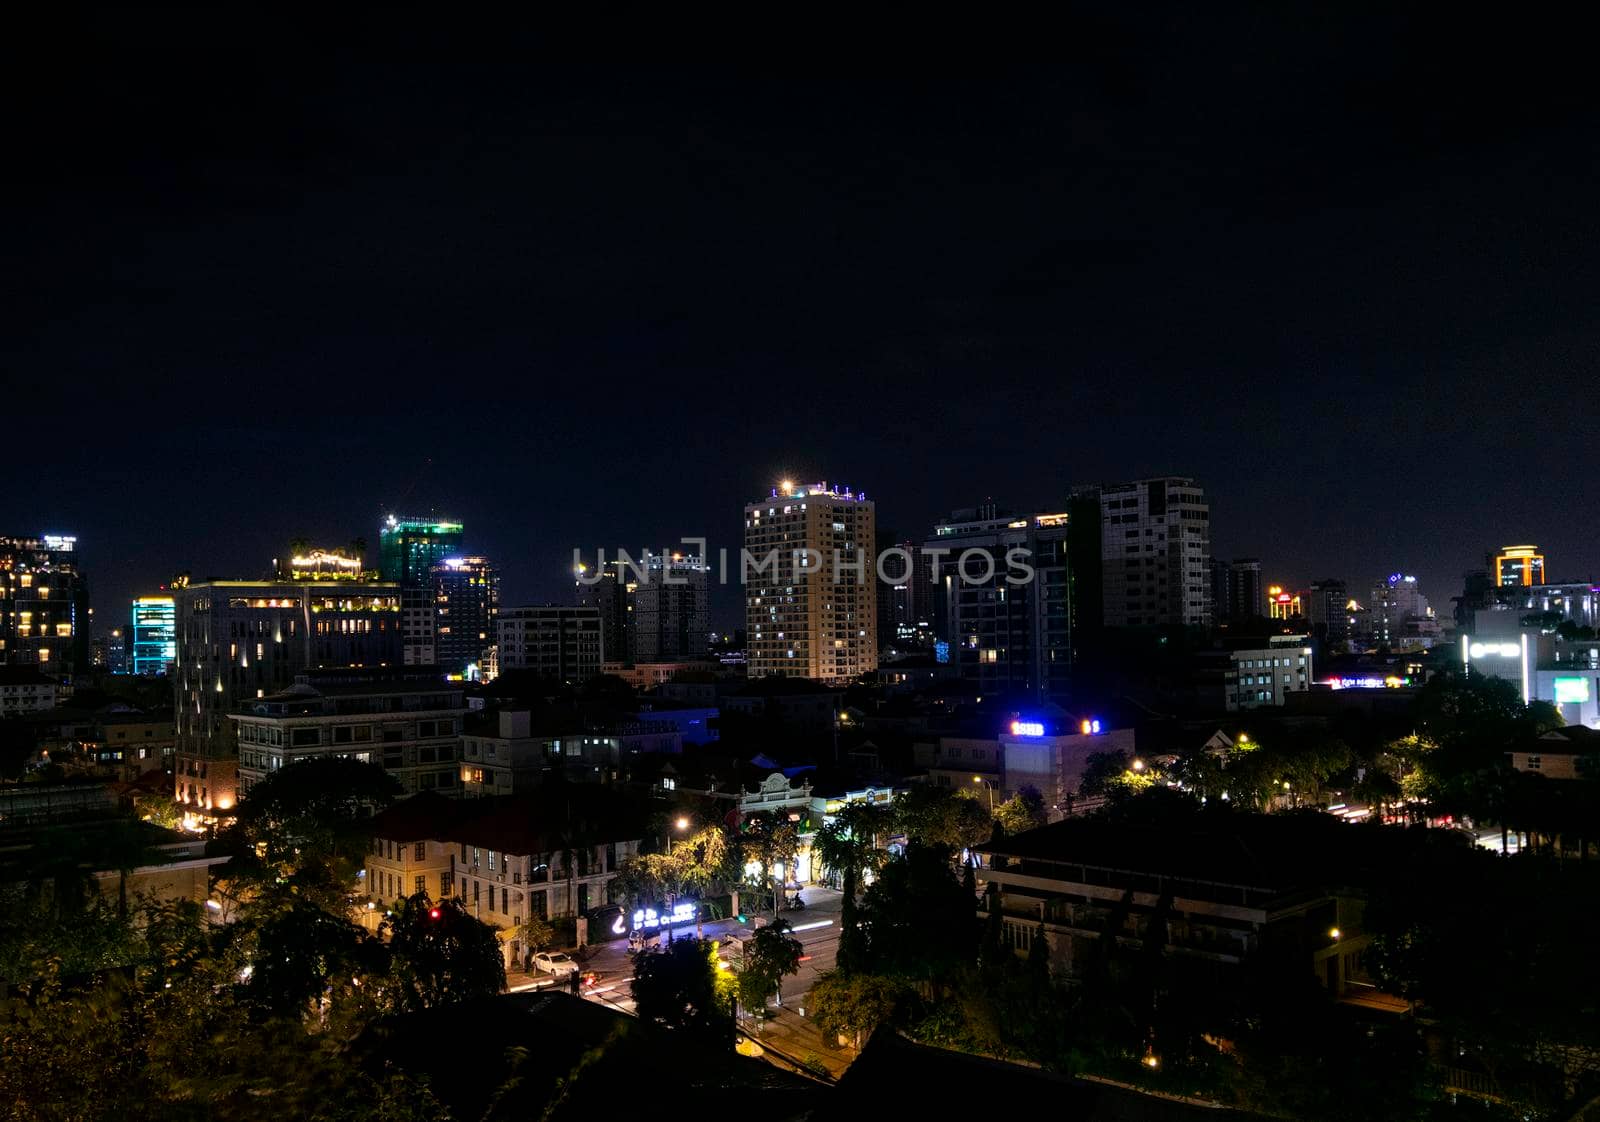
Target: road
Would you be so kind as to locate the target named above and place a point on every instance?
(816, 926)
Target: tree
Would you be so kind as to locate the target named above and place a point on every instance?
(938, 817)
(920, 922)
(848, 848)
(442, 955)
(316, 808)
(534, 934)
(706, 859)
(1022, 812)
(769, 955)
(854, 1005)
(1100, 772)
(294, 957)
(676, 985)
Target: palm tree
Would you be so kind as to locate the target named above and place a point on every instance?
(848, 849)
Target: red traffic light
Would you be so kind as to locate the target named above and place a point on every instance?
(433, 913)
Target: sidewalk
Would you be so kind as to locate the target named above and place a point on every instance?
(797, 1039)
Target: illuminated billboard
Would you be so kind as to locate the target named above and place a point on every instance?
(1572, 691)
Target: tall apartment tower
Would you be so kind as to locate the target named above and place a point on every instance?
(610, 592)
(671, 609)
(810, 583)
(906, 600)
(1329, 613)
(44, 605)
(1155, 542)
(408, 550)
(1246, 598)
(466, 600)
(1008, 638)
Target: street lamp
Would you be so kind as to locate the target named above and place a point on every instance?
(988, 786)
(681, 825)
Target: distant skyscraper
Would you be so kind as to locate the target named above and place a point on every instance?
(905, 604)
(811, 614)
(1329, 614)
(1246, 598)
(153, 634)
(1155, 539)
(111, 651)
(466, 594)
(671, 609)
(1009, 638)
(409, 548)
(1394, 601)
(611, 593)
(1217, 573)
(1518, 565)
(44, 605)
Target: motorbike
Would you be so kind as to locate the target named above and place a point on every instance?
(796, 904)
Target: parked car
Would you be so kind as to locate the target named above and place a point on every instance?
(554, 962)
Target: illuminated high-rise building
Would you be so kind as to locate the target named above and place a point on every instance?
(671, 609)
(1155, 544)
(409, 548)
(152, 634)
(466, 597)
(44, 605)
(1009, 630)
(1518, 565)
(810, 583)
(610, 592)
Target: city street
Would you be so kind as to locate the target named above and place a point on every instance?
(816, 926)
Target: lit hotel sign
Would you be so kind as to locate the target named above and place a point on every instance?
(1392, 682)
(1027, 728)
(647, 919)
(1499, 650)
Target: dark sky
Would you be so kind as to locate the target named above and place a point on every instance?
(1341, 269)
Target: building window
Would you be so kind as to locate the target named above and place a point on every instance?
(422, 884)
(1535, 763)
(421, 851)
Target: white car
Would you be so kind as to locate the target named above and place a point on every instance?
(554, 963)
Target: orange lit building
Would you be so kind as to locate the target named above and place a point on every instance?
(1518, 565)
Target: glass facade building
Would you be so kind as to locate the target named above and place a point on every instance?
(153, 634)
(409, 548)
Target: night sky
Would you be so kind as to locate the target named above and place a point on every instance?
(1341, 270)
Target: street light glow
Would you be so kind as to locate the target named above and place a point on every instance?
(682, 823)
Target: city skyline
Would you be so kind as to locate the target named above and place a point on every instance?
(525, 582)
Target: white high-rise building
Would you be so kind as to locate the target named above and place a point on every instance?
(1155, 543)
(810, 583)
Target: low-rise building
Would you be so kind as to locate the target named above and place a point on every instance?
(1046, 753)
(515, 750)
(406, 720)
(23, 689)
(1560, 754)
(1253, 673)
(137, 742)
(1217, 893)
(547, 855)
